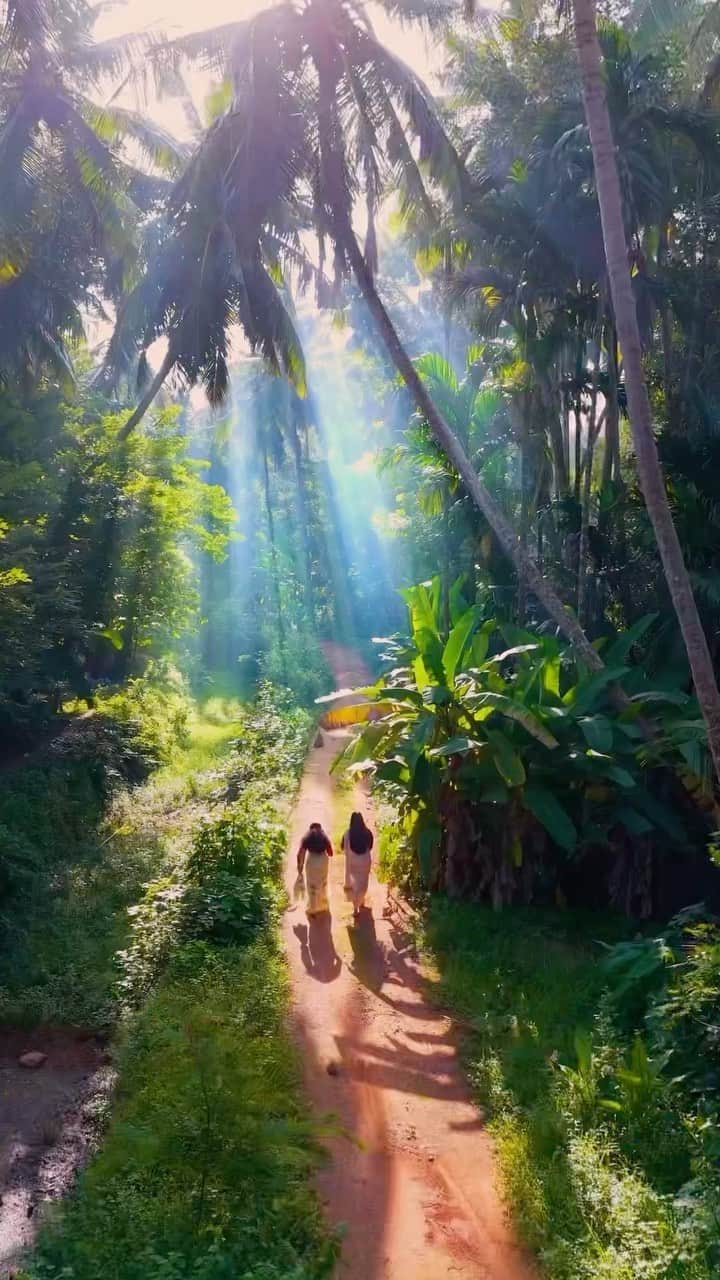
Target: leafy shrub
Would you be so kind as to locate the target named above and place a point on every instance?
(508, 761)
(232, 873)
(396, 857)
(239, 844)
(65, 885)
(272, 743)
(151, 713)
(226, 889)
(608, 1151)
(205, 1169)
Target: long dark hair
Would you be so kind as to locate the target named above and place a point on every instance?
(315, 840)
(360, 836)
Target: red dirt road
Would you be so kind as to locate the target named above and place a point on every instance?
(413, 1181)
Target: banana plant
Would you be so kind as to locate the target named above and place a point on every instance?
(499, 751)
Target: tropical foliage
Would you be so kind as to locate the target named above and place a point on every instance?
(95, 551)
(510, 764)
(608, 1150)
(209, 1154)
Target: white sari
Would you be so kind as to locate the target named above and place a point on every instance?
(357, 874)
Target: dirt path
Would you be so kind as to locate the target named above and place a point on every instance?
(414, 1183)
(48, 1121)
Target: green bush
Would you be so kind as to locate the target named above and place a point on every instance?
(205, 1169)
(224, 891)
(65, 883)
(397, 863)
(239, 844)
(607, 1138)
(227, 887)
(232, 876)
(271, 745)
(152, 714)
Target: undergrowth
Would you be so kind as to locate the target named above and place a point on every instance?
(204, 1171)
(607, 1148)
(72, 858)
(81, 834)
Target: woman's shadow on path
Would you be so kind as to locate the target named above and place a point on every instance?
(317, 949)
(369, 962)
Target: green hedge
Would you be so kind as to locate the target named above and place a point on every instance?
(205, 1170)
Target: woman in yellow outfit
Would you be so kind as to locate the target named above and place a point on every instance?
(315, 847)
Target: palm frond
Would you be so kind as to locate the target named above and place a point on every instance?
(118, 124)
(127, 56)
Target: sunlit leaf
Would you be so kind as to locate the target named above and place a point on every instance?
(459, 639)
(507, 761)
(113, 635)
(459, 746)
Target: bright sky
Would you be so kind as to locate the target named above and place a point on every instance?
(178, 17)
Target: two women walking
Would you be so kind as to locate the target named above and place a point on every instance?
(356, 845)
(313, 858)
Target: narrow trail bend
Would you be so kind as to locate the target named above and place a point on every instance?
(411, 1179)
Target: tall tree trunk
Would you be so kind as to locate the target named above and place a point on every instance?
(594, 428)
(665, 317)
(557, 423)
(520, 417)
(303, 514)
(274, 566)
(648, 462)
(611, 461)
(452, 448)
(579, 369)
(146, 400)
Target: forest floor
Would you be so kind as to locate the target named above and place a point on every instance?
(48, 1120)
(51, 1114)
(410, 1179)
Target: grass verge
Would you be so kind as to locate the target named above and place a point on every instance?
(601, 1152)
(205, 1169)
(77, 850)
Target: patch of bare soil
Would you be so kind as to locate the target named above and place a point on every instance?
(48, 1122)
(411, 1178)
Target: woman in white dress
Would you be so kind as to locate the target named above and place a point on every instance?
(356, 845)
(315, 847)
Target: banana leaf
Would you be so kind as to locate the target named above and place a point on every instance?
(354, 713)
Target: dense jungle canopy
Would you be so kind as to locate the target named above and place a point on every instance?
(448, 396)
(310, 348)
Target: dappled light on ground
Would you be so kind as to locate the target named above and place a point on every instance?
(411, 1177)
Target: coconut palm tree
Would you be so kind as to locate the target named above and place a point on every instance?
(71, 201)
(321, 115)
(650, 475)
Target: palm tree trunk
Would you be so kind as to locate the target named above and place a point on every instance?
(557, 423)
(144, 404)
(451, 446)
(665, 317)
(611, 461)
(648, 462)
(594, 428)
(274, 567)
(303, 515)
